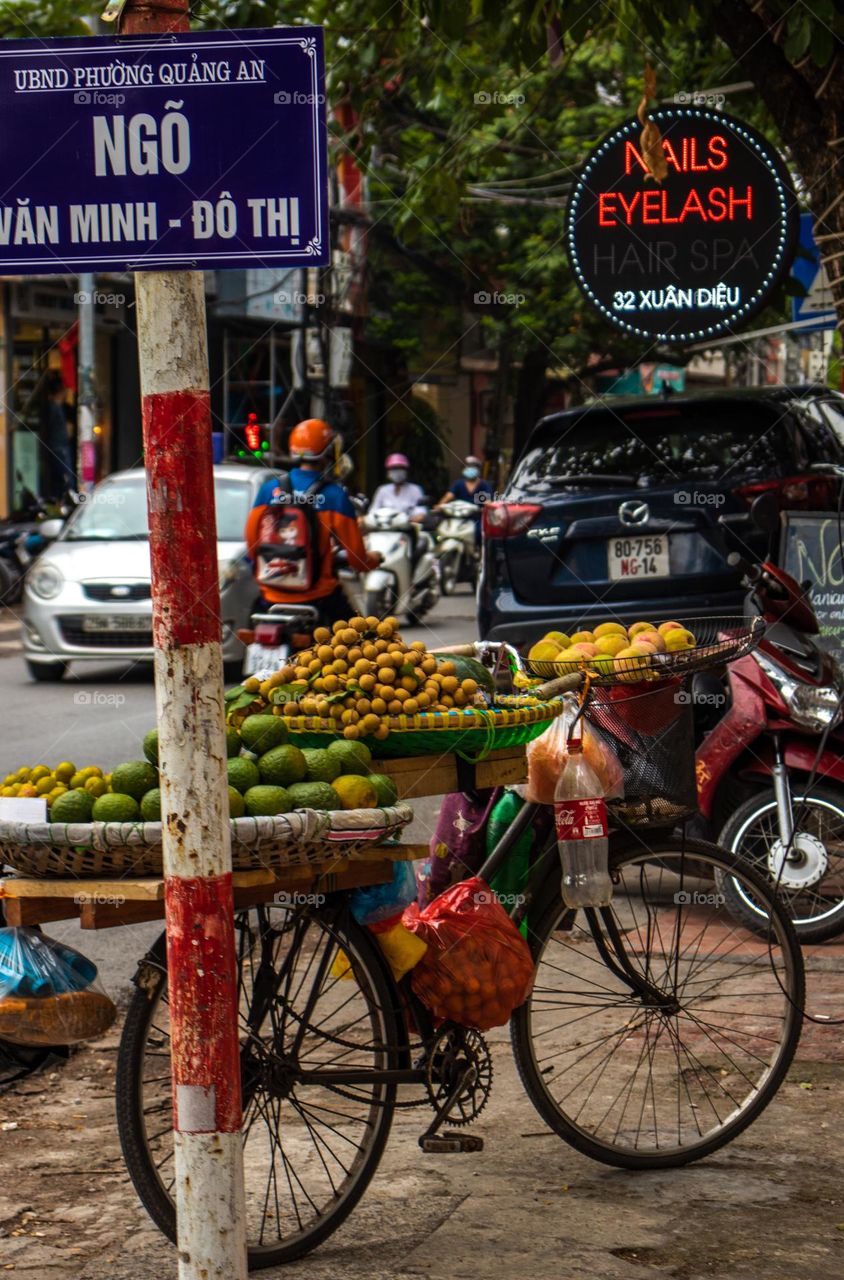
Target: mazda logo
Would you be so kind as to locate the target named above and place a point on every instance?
(634, 512)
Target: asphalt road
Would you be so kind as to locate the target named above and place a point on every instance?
(99, 715)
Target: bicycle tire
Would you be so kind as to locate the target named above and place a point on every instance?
(734, 836)
(537, 1081)
(365, 955)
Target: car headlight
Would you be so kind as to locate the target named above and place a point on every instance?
(44, 580)
(811, 707)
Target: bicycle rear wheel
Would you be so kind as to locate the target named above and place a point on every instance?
(309, 1150)
(659, 1027)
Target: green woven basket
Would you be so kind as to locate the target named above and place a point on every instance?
(466, 732)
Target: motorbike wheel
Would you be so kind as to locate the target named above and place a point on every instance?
(8, 595)
(449, 573)
(379, 604)
(816, 911)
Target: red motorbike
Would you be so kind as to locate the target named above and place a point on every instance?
(763, 753)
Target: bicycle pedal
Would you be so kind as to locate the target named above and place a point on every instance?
(444, 1144)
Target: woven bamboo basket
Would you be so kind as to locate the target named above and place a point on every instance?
(473, 731)
(305, 837)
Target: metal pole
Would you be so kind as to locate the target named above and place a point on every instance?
(203, 994)
(87, 399)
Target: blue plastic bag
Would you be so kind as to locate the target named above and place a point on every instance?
(381, 901)
(32, 964)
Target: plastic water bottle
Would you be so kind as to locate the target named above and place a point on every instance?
(580, 815)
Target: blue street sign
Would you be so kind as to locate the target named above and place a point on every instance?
(818, 304)
(200, 150)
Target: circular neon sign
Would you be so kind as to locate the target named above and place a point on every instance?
(695, 256)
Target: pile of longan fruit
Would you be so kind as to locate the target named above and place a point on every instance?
(362, 672)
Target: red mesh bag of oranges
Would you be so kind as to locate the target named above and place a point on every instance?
(478, 967)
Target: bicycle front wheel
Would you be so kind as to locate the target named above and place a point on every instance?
(659, 1027)
(314, 995)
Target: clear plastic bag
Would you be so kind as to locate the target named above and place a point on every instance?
(547, 755)
(49, 993)
(478, 967)
(382, 901)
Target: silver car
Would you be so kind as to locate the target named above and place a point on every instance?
(87, 596)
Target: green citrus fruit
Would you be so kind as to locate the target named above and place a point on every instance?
(135, 778)
(282, 766)
(151, 806)
(115, 808)
(262, 801)
(243, 774)
(73, 806)
(261, 733)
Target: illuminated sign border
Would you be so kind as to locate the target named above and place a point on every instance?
(787, 234)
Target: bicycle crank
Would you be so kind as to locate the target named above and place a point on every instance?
(459, 1082)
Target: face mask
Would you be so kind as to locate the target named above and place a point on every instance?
(396, 476)
(470, 473)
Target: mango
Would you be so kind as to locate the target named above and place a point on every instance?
(610, 644)
(544, 651)
(559, 638)
(583, 637)
(653, 638)
(679, 639)
(609, 629)
(638, 627)
(665, 627)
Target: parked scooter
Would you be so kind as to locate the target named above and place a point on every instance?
(779, 699)
(407, 581)
(457, 544)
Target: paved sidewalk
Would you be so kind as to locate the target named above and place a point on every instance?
(769, 1207)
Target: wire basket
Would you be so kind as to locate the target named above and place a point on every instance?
(306, 837)
(719, 640)
(652, 734)
(471, 731)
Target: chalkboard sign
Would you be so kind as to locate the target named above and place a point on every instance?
(811, 550)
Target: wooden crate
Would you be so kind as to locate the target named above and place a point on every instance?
(432, 775)
(104, 904)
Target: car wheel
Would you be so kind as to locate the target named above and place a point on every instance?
(46, 672)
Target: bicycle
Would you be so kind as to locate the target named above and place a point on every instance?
(644, 1043)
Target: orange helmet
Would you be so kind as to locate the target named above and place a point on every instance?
(310, 439)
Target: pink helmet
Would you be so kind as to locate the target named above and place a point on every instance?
(397, 460)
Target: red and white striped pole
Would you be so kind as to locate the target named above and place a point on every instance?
(173, 353)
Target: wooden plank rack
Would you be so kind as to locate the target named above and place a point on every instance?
(103, 904)
(433, 775)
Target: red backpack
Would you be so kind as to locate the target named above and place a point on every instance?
(287, 555)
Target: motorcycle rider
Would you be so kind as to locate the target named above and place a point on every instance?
(399, 494)
(317, 509)
(469, 487)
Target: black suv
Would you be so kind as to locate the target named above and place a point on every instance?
(612, 510)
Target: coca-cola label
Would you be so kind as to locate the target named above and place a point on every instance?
(581, 819)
